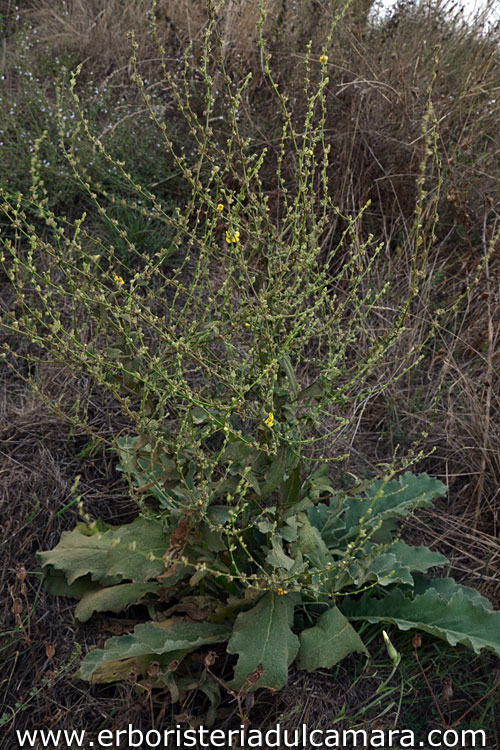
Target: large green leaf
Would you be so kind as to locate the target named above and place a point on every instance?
(417, 559)
(172, 638)
(55, 583)
(454, 617)
(138, 464)
(263, 638)
(310, 543)
(400, 560)
(394, 499)
(112, 599)
(341, 520)
(78, 555)
(446, 587)
(137, 550)
(277, 556)
(129, 552)
(328, 642)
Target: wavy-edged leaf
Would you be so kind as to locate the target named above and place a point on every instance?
(342, 518)
(328, 642)
(55, 583)
(137, 550)
(417, 559)
(213, 539)
(277, 557)
(397, 564)
(263, 636)
(310, 543)
(172, 638)
(113, 598)
(456, 618)
(396, 499)
(446, 587)
(289, 530)
(77, 555)
(137, 463)
(129, 552)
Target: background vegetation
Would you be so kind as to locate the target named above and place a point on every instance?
(381, 76)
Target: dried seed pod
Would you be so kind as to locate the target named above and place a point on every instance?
(17, 606)
(447, 690)
(20, 572)
(50, 650)
(210, 659)
(153, 668)
(416, 640)
(255, 676)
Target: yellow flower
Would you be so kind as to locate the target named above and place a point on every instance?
(280, 591)
(270, 419)
(220, 207)
(234, 237)
(323, 59)
(118, 280)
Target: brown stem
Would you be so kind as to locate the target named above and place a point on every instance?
(494, 687)
(443, 722)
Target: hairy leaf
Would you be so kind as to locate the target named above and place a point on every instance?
(172, 637)
(446, 587)
(400, 560)
(263, 636)
(277, 557)
(78, 554)
(310, 543)
(138, 553)
(133, 551)
(396, 499)
(112, 599)
(456, 618)
(328, 642)
(55, 583)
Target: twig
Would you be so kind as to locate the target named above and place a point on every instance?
(416, 643)
(436, 703)
(494, 687)
(489, 384)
